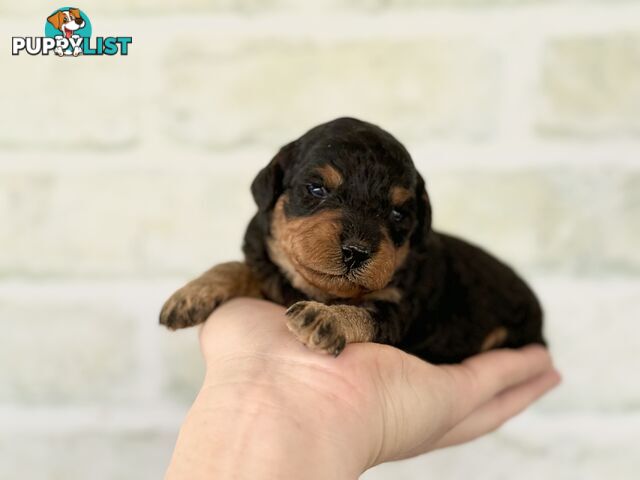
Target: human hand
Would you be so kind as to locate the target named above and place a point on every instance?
(271, 408)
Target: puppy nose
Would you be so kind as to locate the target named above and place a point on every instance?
(79, 21)
(354, 255)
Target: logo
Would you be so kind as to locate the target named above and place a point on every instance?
(68, 33)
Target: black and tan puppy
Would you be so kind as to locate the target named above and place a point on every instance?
(343, 238)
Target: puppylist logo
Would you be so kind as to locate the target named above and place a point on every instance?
(68, 33)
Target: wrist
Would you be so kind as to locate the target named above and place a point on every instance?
(258, 420)
(271, 440)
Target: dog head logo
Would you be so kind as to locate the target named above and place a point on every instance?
(72, 25)
(67, 21)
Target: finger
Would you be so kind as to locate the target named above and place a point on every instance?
(501, 408)
(482, 377)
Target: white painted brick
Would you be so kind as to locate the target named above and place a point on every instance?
(534, 447)
(263, 90)
(591, 86)
(583, 219)
(138, 7)
(591, 326)
(60, 104)
(377, 5)
(121, 223)
(94, 343)
(182, 364)
(148, 7)
(622, 225)
(84, 455)
(58, 352)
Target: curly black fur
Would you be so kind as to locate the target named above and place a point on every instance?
(454, 294)
(431, 294)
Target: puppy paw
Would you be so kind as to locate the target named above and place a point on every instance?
(194, 302)
(189, 306)
(317, 325)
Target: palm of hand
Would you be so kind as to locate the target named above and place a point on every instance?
(390, 404)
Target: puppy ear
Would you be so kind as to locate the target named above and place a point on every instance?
(423, 212)
(267, 186)
(75, 12)
(55, 20)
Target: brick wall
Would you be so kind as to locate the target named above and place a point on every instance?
(524, 117)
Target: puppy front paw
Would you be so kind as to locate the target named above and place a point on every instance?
(189, 306)
(317, 325)
(194, 302)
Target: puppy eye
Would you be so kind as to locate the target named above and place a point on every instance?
(317, 190)
(396, 215)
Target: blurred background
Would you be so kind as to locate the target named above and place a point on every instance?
(122, 177)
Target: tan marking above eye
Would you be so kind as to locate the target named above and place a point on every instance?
(399, 195)
(332, 177)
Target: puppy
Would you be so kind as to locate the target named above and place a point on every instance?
(67, 21)
(343, 238)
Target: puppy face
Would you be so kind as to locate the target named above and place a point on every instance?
(345, 205)
(67, 21)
